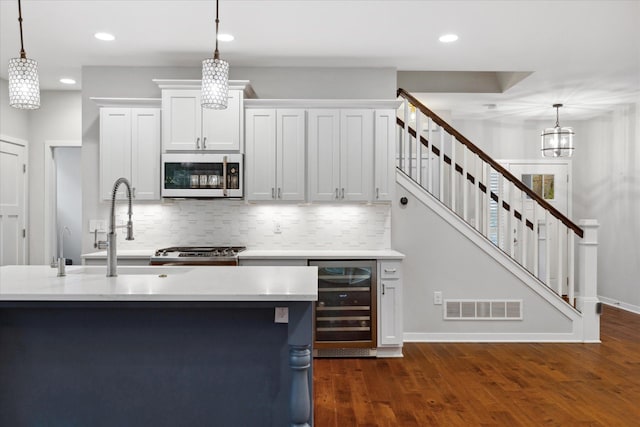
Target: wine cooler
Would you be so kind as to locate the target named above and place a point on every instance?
(345, 313)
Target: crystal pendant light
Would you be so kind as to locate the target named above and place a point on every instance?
(24, 85)
(557, 141)
(215, 78)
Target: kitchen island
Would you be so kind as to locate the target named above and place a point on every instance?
(156, 346)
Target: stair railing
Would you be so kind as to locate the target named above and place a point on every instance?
(487, 196)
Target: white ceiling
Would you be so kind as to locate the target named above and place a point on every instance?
(584, 53)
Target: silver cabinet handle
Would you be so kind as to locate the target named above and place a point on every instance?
(337, 194)
(279, 193)
(389, 270)
(204, 143)
(133, 190)
(383, 289)
(273, 193)
(343, 192)
(377, 193)
(197, 143)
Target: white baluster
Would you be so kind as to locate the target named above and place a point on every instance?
(570, 266)
(418, 149)
(478, 193)
(406, 148)
(429, 160)
(512, 220)
(524, 228)
(487, 198)
(465, 186)
(560, 256)
(441, 166)
(499, 230)
(536, 240)
(547, 250)
(452, 191)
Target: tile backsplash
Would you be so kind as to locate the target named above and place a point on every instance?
(228, 222)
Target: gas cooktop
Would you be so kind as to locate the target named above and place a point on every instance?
(194, 255)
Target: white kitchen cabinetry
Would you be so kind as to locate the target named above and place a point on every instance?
(186, 126)
(275, 154)
(340, 154)
(130, 148)
(384, 158)
(390, 328)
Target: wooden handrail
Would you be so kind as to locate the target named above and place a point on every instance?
(483, 187)
(485, 157)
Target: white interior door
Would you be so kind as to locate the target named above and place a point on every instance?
(550, 180)
(12, 204)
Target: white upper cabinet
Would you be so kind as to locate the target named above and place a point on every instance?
(340, 154)
(384, 171)
(275, 154)
(130, 148)
(186, 126)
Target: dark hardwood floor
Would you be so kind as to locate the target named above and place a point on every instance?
(489, 384)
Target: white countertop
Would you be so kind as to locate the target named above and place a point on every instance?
(274, 254)
(144, 283)
(126, 253)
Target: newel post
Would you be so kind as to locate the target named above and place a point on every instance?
(587, 300)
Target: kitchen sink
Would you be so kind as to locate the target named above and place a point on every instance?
(128, 270)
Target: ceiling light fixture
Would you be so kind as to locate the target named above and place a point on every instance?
(24, 84)
(105, 37)
(67, 81)
(225, 37)
(557, 141)
(448, 38)
(215, 78)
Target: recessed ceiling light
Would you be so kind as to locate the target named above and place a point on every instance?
(448, 38)
(104, 37)
(67, 81)
(225, 37)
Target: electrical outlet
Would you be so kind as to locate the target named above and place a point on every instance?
(282, 315)
(437, 298)
(277, 228)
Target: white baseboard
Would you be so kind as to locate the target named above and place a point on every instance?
(492, 337)
(389, 352)
(619, 304)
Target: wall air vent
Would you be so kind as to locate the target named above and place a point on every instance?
(482, 309)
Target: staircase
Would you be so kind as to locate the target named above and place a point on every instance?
(495, 205)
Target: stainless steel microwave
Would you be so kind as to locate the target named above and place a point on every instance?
(202, 175)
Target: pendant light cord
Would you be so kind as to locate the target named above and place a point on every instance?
(23, 54)
(216, 54)
(557, 117)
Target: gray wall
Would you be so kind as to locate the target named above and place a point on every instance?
(607, 187)
(136, 82)
(13, 122)
(439, 258)
(57, 119)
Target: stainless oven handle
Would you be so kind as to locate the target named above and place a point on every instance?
(224, 176)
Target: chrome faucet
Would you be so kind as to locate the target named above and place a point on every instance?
(110, 243)
(61, 260)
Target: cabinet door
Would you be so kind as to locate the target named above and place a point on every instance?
(290, 152)
(221, 128)
(261, 154)
(181, 122)
(356, 159)
(384, 163)
(115, 149)
(324, 154)
(145, 153)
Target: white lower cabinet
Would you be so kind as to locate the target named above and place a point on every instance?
(390, 324)
(275, 154)
(130, 148)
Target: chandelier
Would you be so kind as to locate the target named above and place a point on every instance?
(557, 141)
